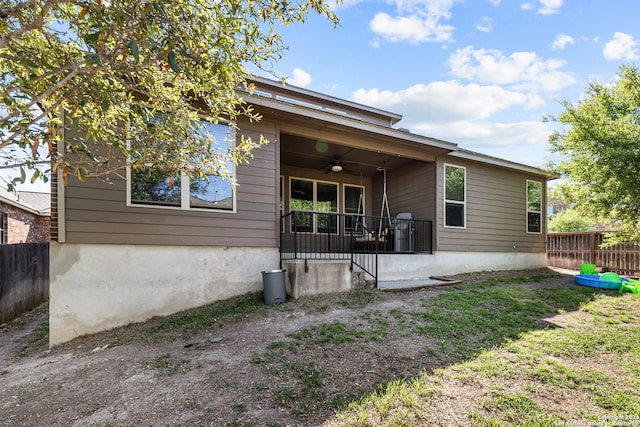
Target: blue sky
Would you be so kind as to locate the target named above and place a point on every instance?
(479, 73)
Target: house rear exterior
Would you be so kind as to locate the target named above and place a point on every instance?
(336, 178)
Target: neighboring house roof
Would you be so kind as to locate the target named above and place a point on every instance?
(35, 202)
(299, 101)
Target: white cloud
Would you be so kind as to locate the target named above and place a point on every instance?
(459, 113)
(562, 41)
(520, 70)
(299, 78)
(550, 7)
(446, 102)
(495, 2)
(416, 21)
(622, 46)
(485, 25)
(547, 7)
(479, 135)
(524, 142)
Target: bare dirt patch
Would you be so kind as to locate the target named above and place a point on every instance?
(284, 365)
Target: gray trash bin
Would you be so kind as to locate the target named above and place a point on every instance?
(403, 232)
(275, 290)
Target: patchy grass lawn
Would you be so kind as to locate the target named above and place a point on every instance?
(582, 368)
(526, 348)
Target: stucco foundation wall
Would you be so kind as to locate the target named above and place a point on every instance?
(99, 287)
(417, 266)
(320, 277)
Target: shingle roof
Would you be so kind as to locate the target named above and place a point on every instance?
(35, 202)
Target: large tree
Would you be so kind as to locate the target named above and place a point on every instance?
(600, 142)
(144, 71)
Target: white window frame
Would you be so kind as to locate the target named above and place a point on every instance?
(445, 200)
(315, 198)
(528, 211)
(185, 189)
(364, 197)
(3, 228)
(344, 201)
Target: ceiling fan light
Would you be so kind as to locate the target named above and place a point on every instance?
(336, 168)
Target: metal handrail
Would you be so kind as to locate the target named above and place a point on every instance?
(311, 235)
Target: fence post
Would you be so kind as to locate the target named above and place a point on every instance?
(592, 258)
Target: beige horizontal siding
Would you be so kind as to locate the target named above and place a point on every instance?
(495, 211)
(96, 210)
(166, 240)
(410, 188)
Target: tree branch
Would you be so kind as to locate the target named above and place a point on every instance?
(44, 95)
(36, 23)
(9, 140)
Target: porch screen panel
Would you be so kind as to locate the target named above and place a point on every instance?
(327, 201)
(301, 200)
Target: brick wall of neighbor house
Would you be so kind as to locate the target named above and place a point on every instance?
(24, 227)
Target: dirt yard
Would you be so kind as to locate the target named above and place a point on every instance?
(233, 373)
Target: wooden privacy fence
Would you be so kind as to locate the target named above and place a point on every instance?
(569, 250)
(24, 278)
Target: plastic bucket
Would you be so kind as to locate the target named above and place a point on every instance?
(275, 290)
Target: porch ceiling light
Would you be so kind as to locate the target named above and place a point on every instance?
(336, 168)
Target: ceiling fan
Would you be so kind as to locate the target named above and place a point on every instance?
(337, 165)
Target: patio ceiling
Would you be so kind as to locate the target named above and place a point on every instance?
(319, 154)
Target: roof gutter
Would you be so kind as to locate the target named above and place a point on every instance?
(346, 121)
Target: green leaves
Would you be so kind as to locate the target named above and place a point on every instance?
(135, 50)
(173, 63)
(600, 144)
(92, 39)
(116, 63)
(93, 59)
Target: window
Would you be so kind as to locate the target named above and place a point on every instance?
(155, 187)
(314, 196)
(281, 194)
(534, 207)
(353, 204)
(2, 228)
(454, 196)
